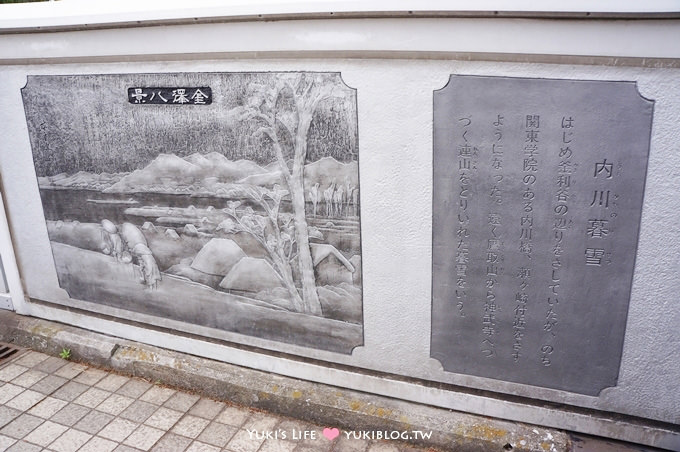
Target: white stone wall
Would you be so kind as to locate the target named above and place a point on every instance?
(395, 145)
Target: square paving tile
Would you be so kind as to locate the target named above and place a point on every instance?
(164, 418)
(7, 415)
(198, 446)
(261, 422)
(50, 365)
(92, 397)
(157, 395)
(21, 426)
(23, 446)
(278, 445)
(70, 414)
(98, 444)
(115, 404)
(233, 415)
(29, 378)
(118, 429)
(6, 441)
(70, 441)
(190, 426)
(9, 391)
(181, 401)
(93, 422)
(217, 434)
(49, 384)
(134, 388)
(70, 370)
(70, 391)
(144, 437)
(11, 371)
(171, 443)
(112, 382)
(31, 359)
(90, 376)
(25, 400)
(45, 433)
(47, 407)
(244, 442)
(139, 411)
(124, 448)
(207, 409)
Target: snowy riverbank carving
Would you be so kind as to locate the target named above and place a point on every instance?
(241, 216)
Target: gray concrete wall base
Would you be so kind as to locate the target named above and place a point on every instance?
(312, 402)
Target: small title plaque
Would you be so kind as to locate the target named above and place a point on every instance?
(538, 188)
(170, 96)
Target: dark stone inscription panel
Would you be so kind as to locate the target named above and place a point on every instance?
(538, 188)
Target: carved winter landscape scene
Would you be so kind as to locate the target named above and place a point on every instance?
(238, 212)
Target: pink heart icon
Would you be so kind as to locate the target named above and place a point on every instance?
(331, 433)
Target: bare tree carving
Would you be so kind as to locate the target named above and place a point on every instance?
(275, 232)
(282, 109)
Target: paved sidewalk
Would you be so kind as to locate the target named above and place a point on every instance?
(50, 404)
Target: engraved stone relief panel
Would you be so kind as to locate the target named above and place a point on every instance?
(224, 200)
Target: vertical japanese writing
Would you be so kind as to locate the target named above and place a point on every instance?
(466, 154)
(532, 125)
(494, 248)
(602, 206)
(561, 222)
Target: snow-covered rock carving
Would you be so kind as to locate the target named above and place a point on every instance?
(190, 230)
(186, 271)
(251, 275)
(172, 234)
(217, 257)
